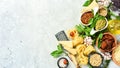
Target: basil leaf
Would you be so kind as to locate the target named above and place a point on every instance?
(100, 35)
(79, 28)
(94, 20)
(118, 17)
(90, 66)
(87, 33)
(99, 43)
(91, 20)
(60, 47)
(112, 14)
(101, 17)
(88, 29)
(99, 39)
(87, 3)
(56, 53)
(107, 63)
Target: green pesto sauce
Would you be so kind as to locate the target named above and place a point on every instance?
(100, 24)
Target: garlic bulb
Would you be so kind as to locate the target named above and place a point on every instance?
(106, 55)
(88, 40)
(104, 2)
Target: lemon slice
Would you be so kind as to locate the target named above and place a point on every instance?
(114, 26)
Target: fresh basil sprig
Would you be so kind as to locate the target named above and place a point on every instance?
(57, 52)
(83, 30)
(100, 39)
(87, 3)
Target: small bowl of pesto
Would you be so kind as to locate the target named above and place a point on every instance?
(100, 25)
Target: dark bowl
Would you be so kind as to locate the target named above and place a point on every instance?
(59, 61)
(93, 54)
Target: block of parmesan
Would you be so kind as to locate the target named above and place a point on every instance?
(77, 41)
(66, 43)
(70, 50)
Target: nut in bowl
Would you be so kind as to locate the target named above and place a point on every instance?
(95, 60)
(85, 18)
(108, 42)
(103, 11)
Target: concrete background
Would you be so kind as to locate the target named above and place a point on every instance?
(27, 29)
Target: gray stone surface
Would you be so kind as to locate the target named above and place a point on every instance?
(27, 29)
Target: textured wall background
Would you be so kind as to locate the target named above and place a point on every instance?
(27, 29)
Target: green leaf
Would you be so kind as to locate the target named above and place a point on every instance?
(118, 17)
(87, 33)
(99, 43)
(99, 39)
(91, 20)
(101, 17)
(112, 14)
(58, 52)
(109, 15)
(79, 28)
(90, 66)
(87, 3)
(95, 19)
(107, 63)
(88, 29)
(60, 47)
(110, 5)
(100, 35)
